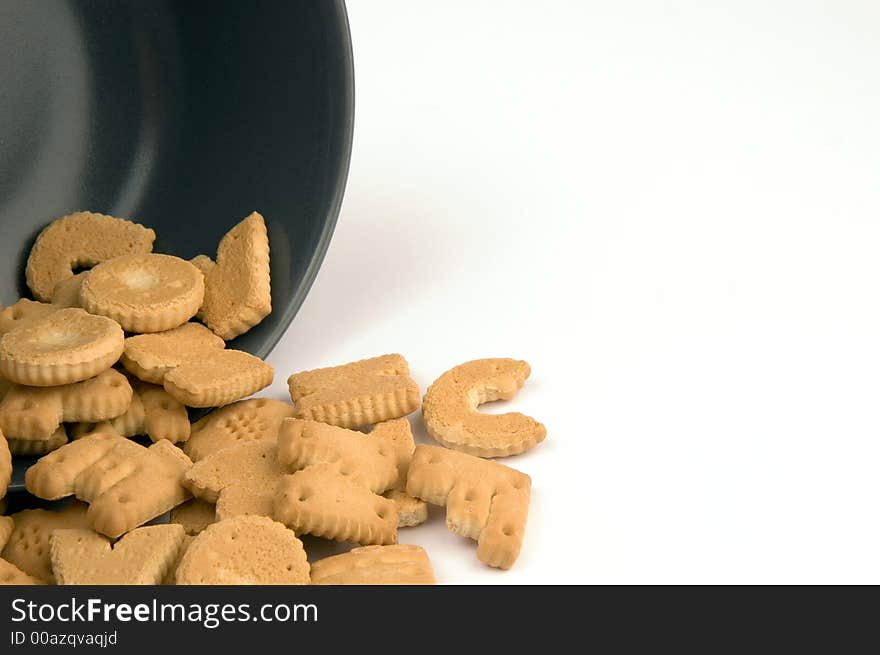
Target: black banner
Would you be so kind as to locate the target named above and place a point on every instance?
(126, 619)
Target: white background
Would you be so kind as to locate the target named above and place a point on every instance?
(671, 210)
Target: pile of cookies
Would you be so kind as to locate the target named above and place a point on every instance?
(122, 349)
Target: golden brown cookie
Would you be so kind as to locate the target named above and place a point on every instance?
(375, 565)
(238, 287)
(142, 557)
(203, 263)
(150, 356)
(319, 500)
(251, 550)
(5, 465)
(398, 435)
(227, 376)
(124, 483)
(194, 515)
(365, 460)
(66, 292)
(7, 525)
(38, 446)
(484, 500)
(81, 239)
(23, 312)
(37, 412)
(12, 575)
(144, 292)
(28, 547)
(152, 412)
(246, 420)
(66, 346)
(356, 394)
(410, 511)
(239, 479)
(451, 416)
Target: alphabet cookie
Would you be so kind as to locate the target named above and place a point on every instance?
(365, 460)
(142, 557)
(144, 292)
(81, 239)
(28, 546)
(398, 434)
(252, 550)
(66, 292)
(65, 346)
(240, 479)
(38, 446)
(246, 420)
(23, 312)
(229, 375)
(321, 501)
(194, 515)
(12, 575)
(451, 416)
(238, 285)
(374, 565)
(356, 394)
(152, 412)
(37, 412)
(484, 500)
(124, 483)
(149, 357)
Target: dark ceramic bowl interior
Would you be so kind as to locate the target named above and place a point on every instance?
(182, 116)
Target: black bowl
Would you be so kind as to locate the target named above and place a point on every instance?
(182, 116)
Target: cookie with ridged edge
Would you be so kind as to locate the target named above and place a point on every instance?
(451, 416)
(375, 565)
(246, 550)
(246, 420)
(38, 446)
(239, 479)
(125, 484)
(66, 346)
(356, 394)
(227, 376)
(410, 511)
(145, 292)
(23, 312)
(37, 412)
(194, 515)
(142, 557)
(149, 357)
(81, 239)
(485, 501)
(28, 546)
(67, 292)
(152, 412)
(365, 460)
(238, 291)
(319, 500)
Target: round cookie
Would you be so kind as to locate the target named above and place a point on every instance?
(66, 346)
(81, 239)
(251, 550)
(450, 409)
(144, 293)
